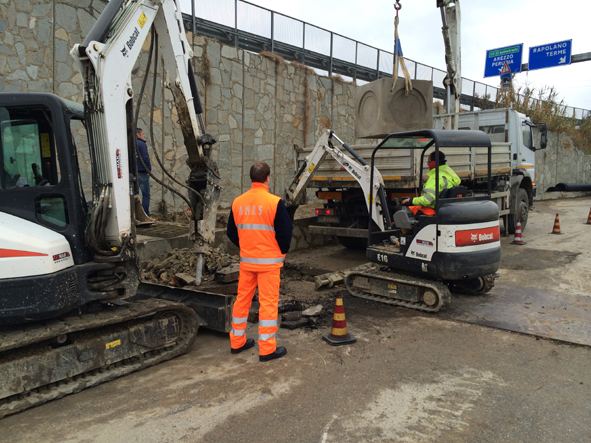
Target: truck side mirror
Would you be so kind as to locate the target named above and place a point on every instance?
(543, 135)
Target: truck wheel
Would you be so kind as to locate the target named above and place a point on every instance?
(521, 212)
(353, 242)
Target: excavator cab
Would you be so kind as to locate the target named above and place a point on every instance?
(44, 214)
(40, 177)
(422, 258)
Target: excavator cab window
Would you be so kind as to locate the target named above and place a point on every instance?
(27, 151)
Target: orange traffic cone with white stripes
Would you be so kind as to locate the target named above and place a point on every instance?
(589, 218)
(556, 229)
(338, 334)
(518, 240)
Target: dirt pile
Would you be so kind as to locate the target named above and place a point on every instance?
(164, 269)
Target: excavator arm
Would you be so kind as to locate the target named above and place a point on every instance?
(106, 59)
(358, 168)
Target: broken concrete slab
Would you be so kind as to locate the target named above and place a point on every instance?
(183, 279)
(312, 311)
(291, 316)
(228, 274)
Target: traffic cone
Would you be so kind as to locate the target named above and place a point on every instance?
(556, 229)
(589, 218)
(338, 334)
(518, 238)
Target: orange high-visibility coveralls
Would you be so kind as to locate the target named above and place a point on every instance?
(261, 259)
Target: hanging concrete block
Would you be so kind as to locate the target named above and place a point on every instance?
(379, 112)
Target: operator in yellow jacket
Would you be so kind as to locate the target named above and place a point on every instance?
(260, 226)
(447, 179)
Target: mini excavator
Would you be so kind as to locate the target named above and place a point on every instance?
(69, 267)
(422, 257)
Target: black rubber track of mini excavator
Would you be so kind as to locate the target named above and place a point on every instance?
(443, 292)
(114, 315)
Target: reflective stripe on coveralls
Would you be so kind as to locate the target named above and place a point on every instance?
(239, 330)
(267, 323)
(256, 227)
(262, 261)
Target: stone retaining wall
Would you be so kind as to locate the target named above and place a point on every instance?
(259, 107)
(561, 162)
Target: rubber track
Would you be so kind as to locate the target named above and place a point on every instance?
(440, 288)
(115, 315)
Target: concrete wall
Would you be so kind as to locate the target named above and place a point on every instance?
(561, 162)
(258, 107)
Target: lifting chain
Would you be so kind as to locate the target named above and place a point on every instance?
(397, 6)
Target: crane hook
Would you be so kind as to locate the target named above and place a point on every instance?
(397, 6)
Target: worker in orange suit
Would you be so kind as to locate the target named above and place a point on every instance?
(261, 227)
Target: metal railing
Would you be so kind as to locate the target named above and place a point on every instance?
(254, 28)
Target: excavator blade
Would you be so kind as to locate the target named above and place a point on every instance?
(214, 311)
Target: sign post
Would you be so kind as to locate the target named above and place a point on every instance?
(505, 60)
(550, 55)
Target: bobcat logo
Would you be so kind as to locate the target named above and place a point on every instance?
(474, 237)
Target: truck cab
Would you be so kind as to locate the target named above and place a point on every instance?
(506, 126)
(514, 130)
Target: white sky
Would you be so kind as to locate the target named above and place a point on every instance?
(485, 25)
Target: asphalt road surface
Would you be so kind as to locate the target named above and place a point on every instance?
(410, 377)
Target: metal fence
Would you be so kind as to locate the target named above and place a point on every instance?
(251, 27)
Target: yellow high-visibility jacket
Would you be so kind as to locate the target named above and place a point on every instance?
(447, 179)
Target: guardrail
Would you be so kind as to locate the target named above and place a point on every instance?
(254, 28)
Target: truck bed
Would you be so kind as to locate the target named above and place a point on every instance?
(400, 167)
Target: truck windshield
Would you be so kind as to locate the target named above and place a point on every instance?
(527, 137)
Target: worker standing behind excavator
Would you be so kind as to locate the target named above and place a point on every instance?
(425, 204)
(260, 226)
(143, 172)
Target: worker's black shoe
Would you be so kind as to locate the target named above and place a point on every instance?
(249, 344)
(279, 352)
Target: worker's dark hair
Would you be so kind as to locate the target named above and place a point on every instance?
(442, 159)
(138, 130)
(259, 172)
